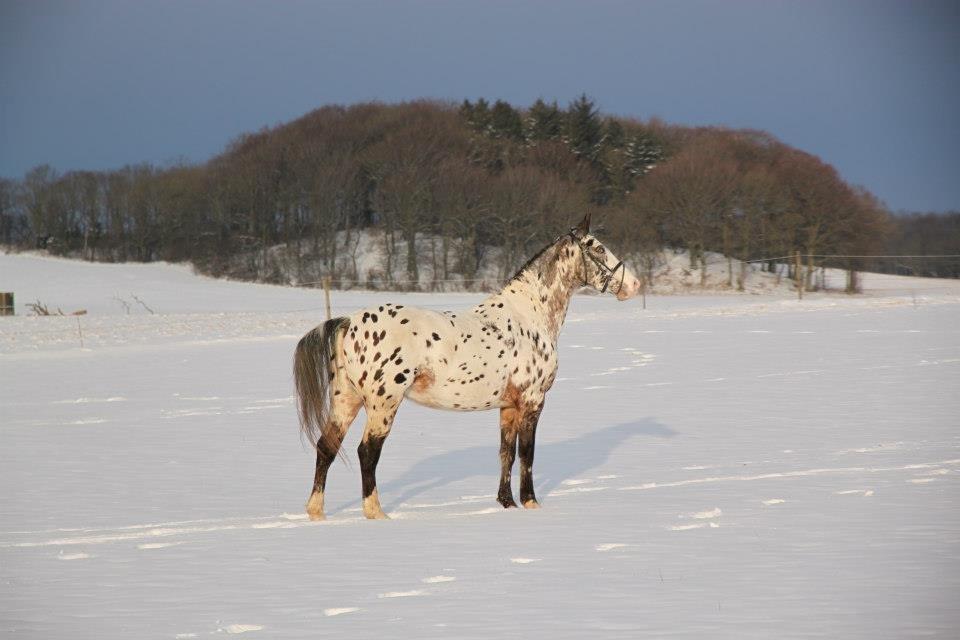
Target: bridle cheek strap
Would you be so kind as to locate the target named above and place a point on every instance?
(608, 277)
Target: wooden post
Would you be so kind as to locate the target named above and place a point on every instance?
(326, 294)
(6, 304)
(798, 264)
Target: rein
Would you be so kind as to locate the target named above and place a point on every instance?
(607, 274)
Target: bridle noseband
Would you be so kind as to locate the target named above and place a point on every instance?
(607, 274)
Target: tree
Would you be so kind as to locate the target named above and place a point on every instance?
(36, 198)
(13, 224)
(643, 153)
(544, 122)
(692, 196)
(478, 115)
(505, 122)
(583, 128)
(615, 136)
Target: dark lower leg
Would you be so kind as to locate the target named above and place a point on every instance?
(508, 451)
(326, 454)
(327, 448)
(528, 436)
(369, 453)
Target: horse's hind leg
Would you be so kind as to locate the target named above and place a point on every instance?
(345, 403)
(379, 422)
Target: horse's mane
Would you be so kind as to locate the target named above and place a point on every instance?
(533, 259)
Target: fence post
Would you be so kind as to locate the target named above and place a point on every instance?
(6, 304)
(326, 294)
(799, 274)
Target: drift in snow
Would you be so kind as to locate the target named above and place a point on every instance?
(500, 354)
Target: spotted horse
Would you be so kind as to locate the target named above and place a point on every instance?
(501, 354)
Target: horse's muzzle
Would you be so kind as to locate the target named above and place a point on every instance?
(630, 288)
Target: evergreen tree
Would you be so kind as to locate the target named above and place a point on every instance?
(643, 153)
(466, 110)
(480, 118)
(615, 136)
(584, 129)
(505, 122)
(544, 121)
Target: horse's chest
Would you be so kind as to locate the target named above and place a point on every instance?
(535, 368)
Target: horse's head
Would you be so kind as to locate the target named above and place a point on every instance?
(602, 269)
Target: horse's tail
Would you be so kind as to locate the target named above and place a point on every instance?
(313, 369)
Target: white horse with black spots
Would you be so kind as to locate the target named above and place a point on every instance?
(502, 354)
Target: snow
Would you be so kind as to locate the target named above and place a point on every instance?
(712, 466)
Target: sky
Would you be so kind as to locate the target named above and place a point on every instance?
(872, 87)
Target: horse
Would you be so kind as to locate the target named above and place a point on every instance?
(501, 354)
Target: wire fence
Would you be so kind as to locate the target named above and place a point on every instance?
(919, 265)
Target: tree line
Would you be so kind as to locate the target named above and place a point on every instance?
(443, 187)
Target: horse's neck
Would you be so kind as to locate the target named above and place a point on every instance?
(543, 290)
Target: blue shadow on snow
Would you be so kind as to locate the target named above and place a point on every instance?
(554, 462)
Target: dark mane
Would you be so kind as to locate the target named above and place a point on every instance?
(533, 259)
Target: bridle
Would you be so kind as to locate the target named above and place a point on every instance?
(607, 274)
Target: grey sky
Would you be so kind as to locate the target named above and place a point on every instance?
(871, 87)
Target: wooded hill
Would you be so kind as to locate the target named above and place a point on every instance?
(472, 177)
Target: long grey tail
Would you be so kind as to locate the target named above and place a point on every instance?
(313, 369)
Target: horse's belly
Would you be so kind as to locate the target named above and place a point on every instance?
(476, 396)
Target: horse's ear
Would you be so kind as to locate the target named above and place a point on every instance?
(583, 228)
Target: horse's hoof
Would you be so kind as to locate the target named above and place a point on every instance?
(531, 504)
(316, 515)
(508, 503)
(380, 515)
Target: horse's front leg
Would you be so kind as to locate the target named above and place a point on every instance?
(508, 451)
(528, 437)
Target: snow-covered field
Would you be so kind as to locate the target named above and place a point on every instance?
(710, 467)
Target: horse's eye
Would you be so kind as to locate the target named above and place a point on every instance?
(601, 250)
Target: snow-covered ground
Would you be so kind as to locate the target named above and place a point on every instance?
(710, 467)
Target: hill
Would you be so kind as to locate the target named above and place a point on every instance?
(481, 179)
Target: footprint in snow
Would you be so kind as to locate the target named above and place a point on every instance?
(705, 515)
(403, 594)
(159, 545)
(699, 515)
(773, 501)
(234, 629)
(339, 611)
(437, 579)
(524, 560)
(609, 546)
(699, 525)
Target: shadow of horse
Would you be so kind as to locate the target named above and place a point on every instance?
(555, 462)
